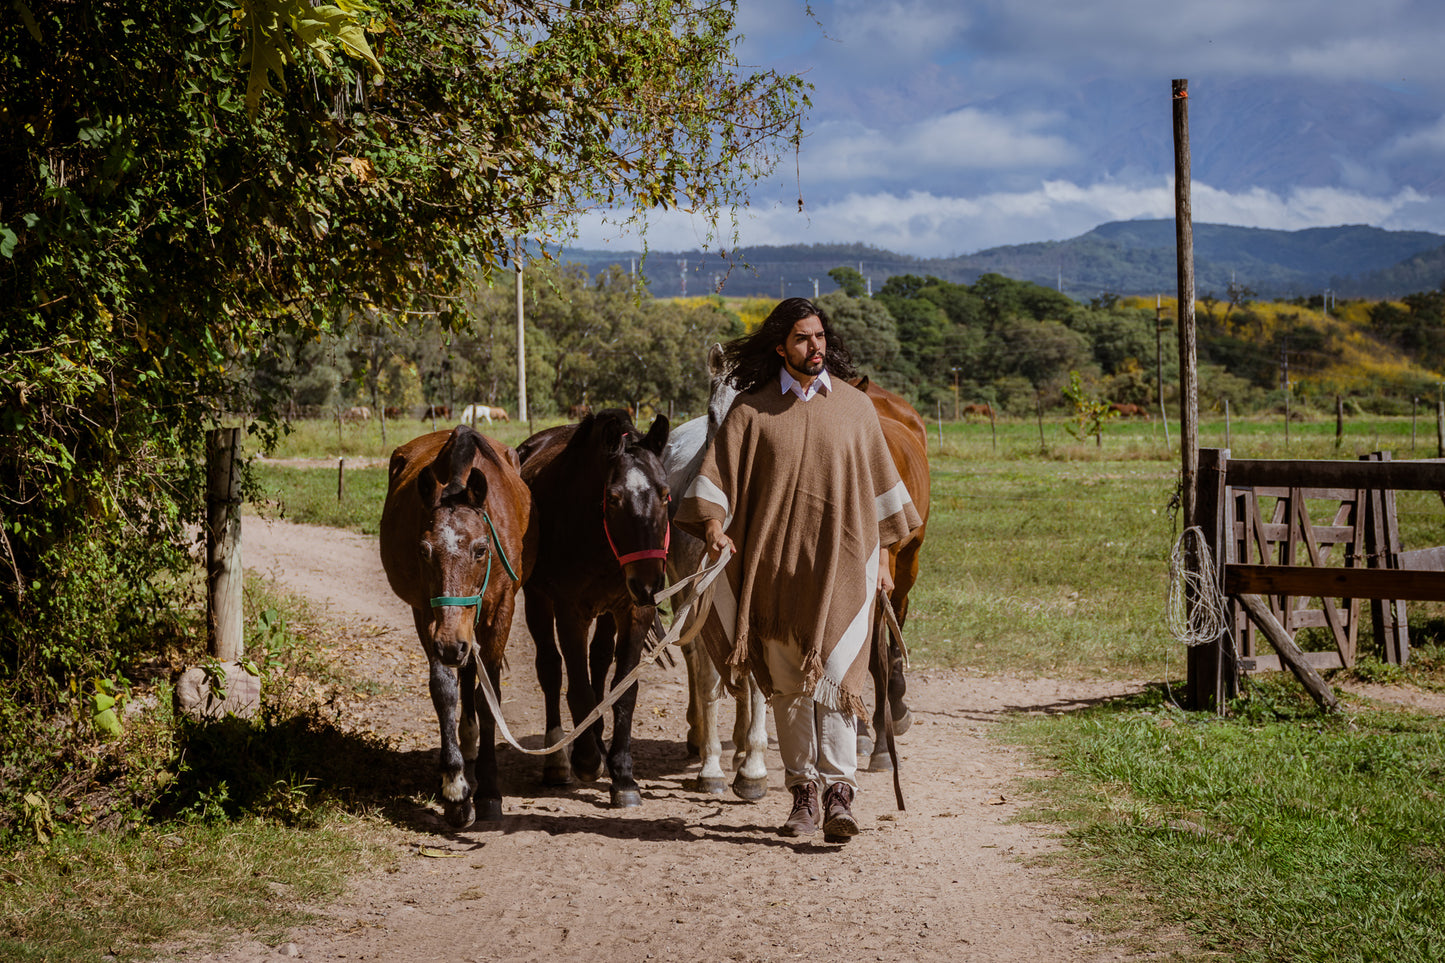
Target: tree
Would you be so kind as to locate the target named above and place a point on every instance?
(165, 223)
(853, 284)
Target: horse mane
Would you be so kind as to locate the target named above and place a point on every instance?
(611, 428)
(462, 450)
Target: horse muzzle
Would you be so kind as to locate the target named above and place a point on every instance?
(645, 579)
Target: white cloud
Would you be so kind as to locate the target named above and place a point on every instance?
(961, 140)
(932, 225)
(1426, 140)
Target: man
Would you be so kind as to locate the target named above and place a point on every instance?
(799, 484)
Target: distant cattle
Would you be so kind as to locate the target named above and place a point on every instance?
(1130, 411)
(578, 412)
(357, 413)
(435, 411)
(980, 411)
(391, 411)
(500, 414)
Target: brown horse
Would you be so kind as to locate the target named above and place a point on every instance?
(458, 536)
(907, 439)
(601, 495)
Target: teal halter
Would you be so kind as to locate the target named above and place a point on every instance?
(442, 600)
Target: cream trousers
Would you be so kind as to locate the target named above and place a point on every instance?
(817, 744)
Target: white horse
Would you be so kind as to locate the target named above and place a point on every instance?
(681, 459)
(471, 414)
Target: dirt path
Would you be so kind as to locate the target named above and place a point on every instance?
(688, 876)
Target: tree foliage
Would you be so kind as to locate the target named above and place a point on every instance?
(168, 220)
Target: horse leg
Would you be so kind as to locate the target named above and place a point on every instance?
(694, 701)
(704, 693)
(581, 697)
(750, 729)
(877, 749)
(468, 731)
(556, 766)
(631, 632)
(488, 794)
(442, 683)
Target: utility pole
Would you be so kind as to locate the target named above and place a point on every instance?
(1284, 367)
(521, 345)
(1159, 363)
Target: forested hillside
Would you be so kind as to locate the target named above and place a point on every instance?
(1012, 344)
(1123, 258)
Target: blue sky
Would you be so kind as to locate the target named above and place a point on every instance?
(942, 128)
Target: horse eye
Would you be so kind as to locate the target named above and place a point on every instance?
(479, 550)
(426, 550)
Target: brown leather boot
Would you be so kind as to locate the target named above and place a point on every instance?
(803, 820)
(838, 822)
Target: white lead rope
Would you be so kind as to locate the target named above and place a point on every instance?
(702, 578)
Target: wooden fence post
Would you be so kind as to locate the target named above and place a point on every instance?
(1213, 676)
(341, 479)
(224, 628)
(1440, 429)
(1184, 241)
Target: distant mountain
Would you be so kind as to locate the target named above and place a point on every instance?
(1122, 257)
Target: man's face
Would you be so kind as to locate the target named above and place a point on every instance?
(804, 348)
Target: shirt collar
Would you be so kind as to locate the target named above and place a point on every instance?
(788, 383)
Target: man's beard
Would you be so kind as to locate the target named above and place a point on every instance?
(814, 369)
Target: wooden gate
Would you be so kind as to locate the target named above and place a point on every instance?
(1257, 517)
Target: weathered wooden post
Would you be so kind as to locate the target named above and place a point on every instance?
(1188, 360)
(224, 636)
(1440, 429)
(341, 479)
(1339, 421)
(1208, 685)
(1226, 424)
(224, 686)
(1039, 406)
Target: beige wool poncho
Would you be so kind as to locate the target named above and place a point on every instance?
(808, 493)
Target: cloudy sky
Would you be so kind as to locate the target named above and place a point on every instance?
(942, 127)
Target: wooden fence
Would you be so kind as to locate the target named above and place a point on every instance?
(1257, 519)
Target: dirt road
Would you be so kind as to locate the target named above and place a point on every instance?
(688, 876)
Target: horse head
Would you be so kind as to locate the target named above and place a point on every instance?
(635, 500)
(457, 546)
(721, 391)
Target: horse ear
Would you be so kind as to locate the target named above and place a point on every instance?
(427, 485)
(476, 488)
(715, 363)
(656, 439)
(862, 384)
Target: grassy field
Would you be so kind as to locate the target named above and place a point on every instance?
(1045, 557)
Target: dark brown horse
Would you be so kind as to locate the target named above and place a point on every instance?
(602, 496)
(458, 536)
(907, 438)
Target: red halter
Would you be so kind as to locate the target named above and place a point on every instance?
(635, 556)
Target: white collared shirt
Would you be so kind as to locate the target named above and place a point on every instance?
(821, 383)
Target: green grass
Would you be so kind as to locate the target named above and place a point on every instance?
(309, 496)
(1275, 836)
(114, 896)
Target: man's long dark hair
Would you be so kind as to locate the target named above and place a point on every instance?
(753, 359)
